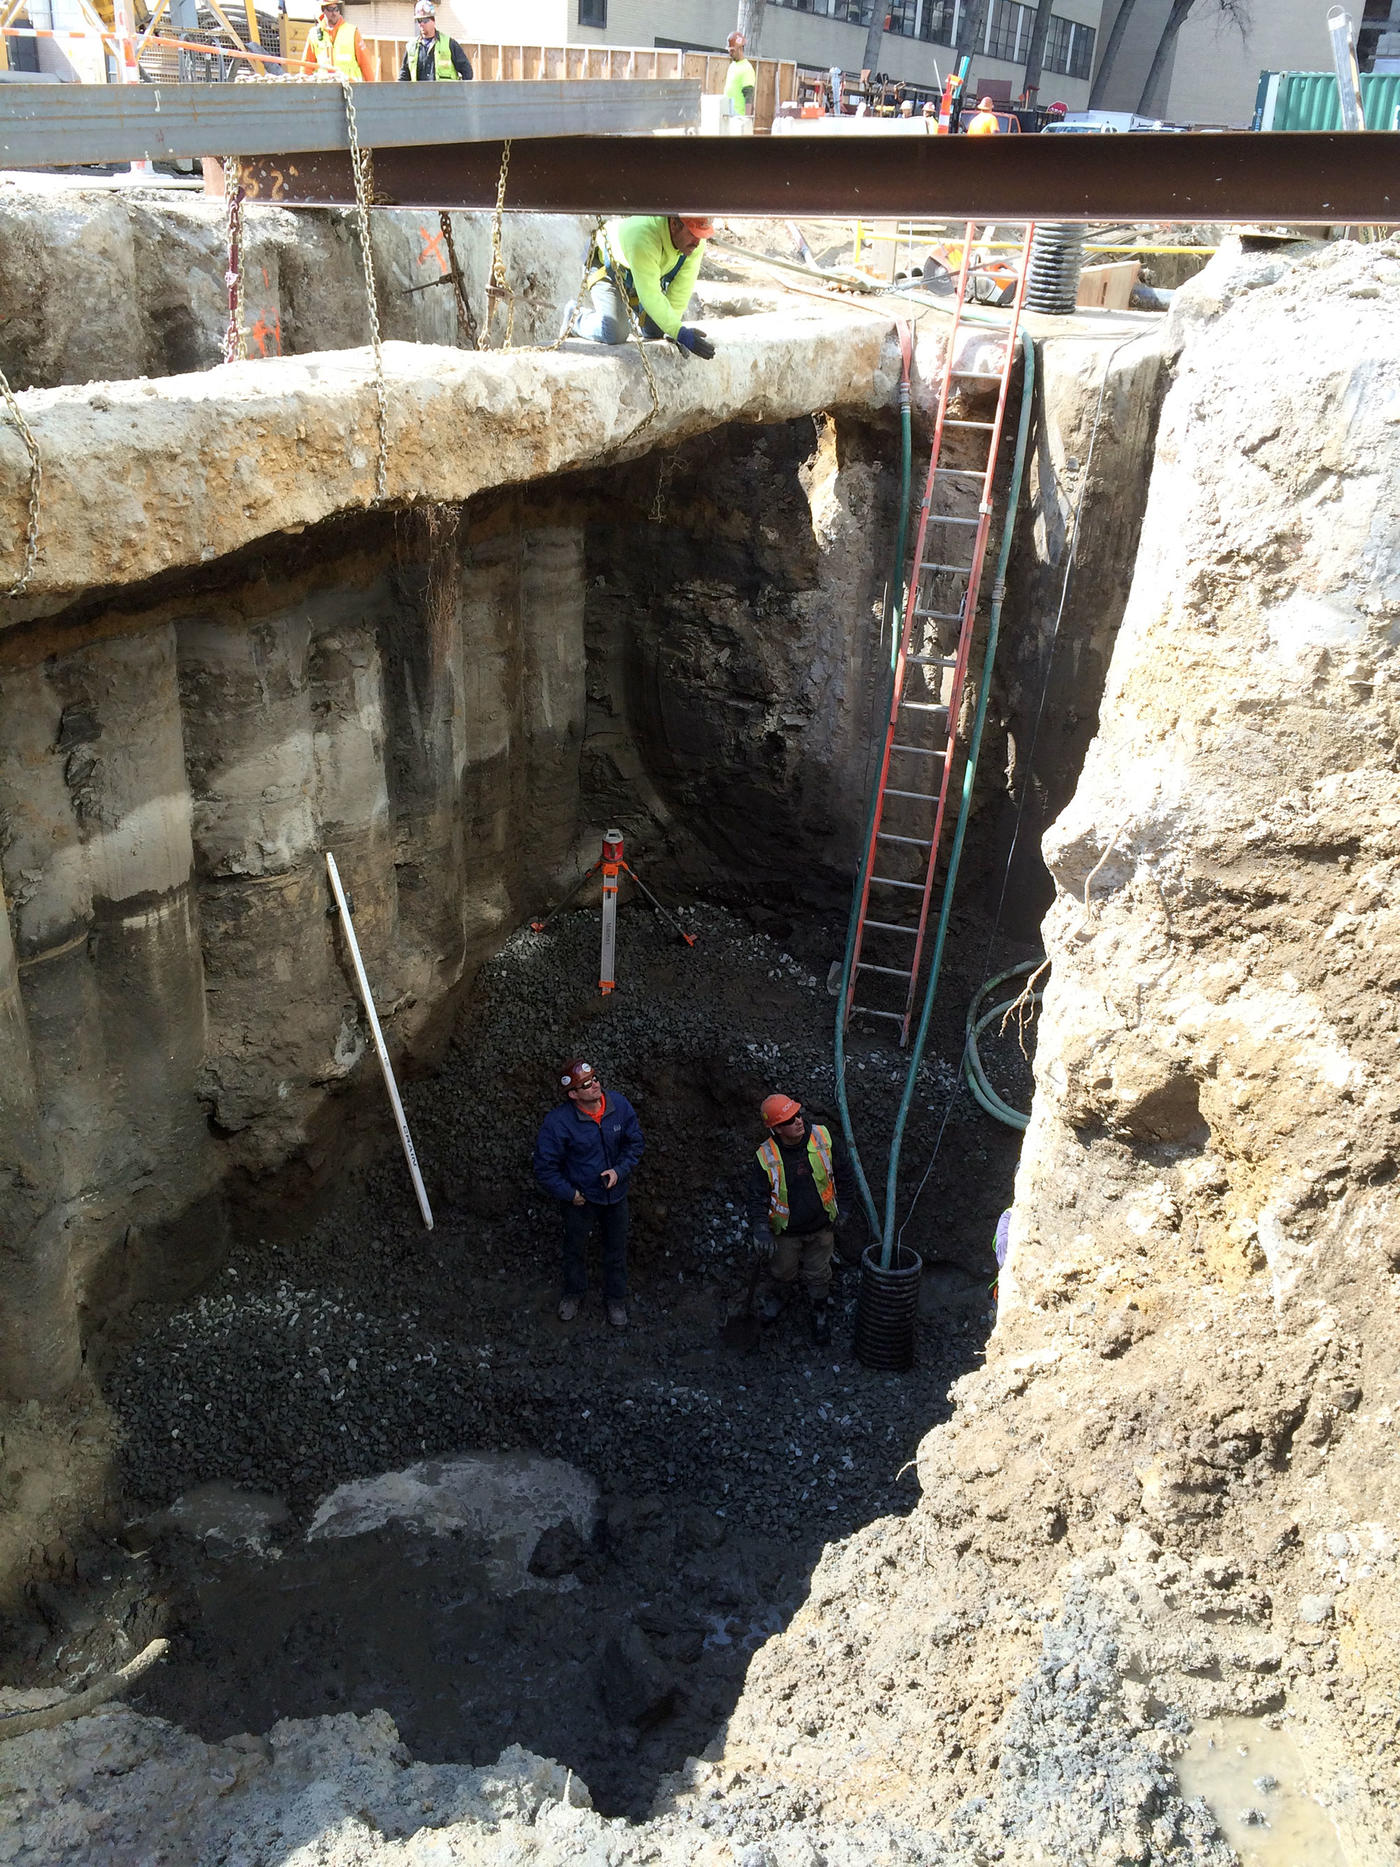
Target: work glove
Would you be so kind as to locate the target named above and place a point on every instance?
(763, 1245)
(695, 342)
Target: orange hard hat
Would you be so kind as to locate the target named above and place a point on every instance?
(699, 224)
(777, 1109)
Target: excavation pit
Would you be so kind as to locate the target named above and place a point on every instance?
(698, 1484)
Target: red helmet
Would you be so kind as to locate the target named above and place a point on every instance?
(776, 1109)
(575, 1074)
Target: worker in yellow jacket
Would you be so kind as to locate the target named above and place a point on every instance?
(334, 46)
(647, 264)
(740, 81)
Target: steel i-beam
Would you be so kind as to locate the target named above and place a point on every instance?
(1303, 179)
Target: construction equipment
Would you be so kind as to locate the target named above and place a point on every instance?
(611, 864)
(931, 658)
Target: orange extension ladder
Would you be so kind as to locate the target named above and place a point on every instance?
(940, 612)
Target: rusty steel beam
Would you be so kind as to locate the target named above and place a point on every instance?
(1302, 179)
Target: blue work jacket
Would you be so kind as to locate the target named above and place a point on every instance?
(572, 1150)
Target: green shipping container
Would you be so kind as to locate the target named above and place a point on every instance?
(1307, 100)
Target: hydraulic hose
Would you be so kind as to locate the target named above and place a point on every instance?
(892, 616)
(964, 807)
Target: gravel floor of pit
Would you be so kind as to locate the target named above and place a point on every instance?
(360, 1343)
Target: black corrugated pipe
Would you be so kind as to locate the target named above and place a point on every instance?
(1056, 261)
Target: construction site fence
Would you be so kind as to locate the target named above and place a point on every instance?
(163, 58)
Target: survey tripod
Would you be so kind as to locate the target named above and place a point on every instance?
(612, 864)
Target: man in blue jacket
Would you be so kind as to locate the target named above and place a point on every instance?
(584, 1155)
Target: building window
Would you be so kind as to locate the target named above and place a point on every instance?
(1069, 49)
(1010, 36)
(592, 12)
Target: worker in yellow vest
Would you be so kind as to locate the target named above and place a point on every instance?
(433, 55)
(741, 81)
(794, 1207)
(334, 46)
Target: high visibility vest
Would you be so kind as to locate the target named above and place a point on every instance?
(770, 1158)
(443, 68)
(605, 261)
(740, 78)
(337, 54)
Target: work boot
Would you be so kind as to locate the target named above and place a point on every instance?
(617, 1315)
(821, 1323)
(568, 1308)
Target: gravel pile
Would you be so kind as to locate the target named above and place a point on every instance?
(364, 1342)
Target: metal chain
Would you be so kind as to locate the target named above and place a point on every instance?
(359, 164)
(36, 482)
(236, 336)
(576, 304)
(498, 286)
(459, 284)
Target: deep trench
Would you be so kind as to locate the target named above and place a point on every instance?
(723, 1470)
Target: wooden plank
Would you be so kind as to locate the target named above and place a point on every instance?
(59, 125)
(765, 96)
(1108, 287)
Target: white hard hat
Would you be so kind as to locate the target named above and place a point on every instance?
(425, 10)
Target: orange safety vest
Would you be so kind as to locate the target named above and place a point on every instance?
(770, 1158)
(336, 54)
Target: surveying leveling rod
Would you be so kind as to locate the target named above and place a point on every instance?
(611, 863)
(367, 1000)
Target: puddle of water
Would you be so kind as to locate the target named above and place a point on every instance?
(1253, 1781)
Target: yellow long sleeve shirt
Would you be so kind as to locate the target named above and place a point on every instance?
(643, 245)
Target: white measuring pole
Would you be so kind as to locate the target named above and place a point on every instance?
(367, 1000)
(611, 863)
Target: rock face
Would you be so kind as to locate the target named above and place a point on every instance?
(1172, 1486)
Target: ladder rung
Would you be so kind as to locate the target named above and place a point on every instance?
(963, 570)
(934, 661)
(888, 836)
(963, 473)
(922, 706)
(977, 375)
(923, 751)
(890, 882)
(871, 1012)
(895, 972)
(891, 927)
(937, 518)
(987, 425)
(938, 615)
(924, 797)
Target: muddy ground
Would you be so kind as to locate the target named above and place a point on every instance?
(359, 1343)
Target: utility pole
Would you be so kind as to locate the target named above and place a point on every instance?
(751, 25)
(1035, 56)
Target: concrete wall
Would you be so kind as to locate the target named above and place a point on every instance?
(1214, 72)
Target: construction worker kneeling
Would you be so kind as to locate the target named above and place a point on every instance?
(644, 268)
(794, 1207)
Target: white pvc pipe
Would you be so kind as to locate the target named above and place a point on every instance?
(367, 1000)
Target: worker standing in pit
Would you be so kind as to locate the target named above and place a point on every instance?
(334, 46)
(985, 123)
(585, 1151)
(433, 55)
(794, 1207)
(649, 262)
(741, 81)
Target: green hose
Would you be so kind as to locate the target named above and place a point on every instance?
(969, 774)
(893, 614)
(977, 1022)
